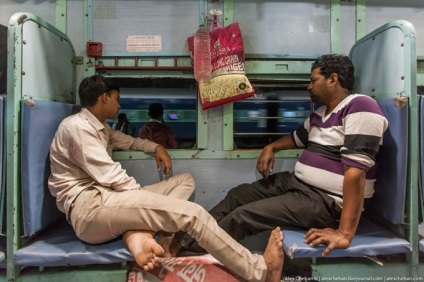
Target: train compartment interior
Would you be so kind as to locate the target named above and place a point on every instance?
(218, 146)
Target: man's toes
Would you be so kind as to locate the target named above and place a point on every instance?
(148, 266)
(158, 250)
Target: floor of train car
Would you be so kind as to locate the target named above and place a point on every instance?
(294, 269)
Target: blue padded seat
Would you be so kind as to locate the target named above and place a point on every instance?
(60, 247)
(40, 120)
(421, 128)
(57, 245)
(388, 202)
(2, 186)
(2, 127)
(371, 239)
(2, 165)
(2, 252)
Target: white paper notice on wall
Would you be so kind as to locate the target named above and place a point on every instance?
(144, 43)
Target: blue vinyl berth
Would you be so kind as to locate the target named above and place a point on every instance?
(2, 186)
(421, 130)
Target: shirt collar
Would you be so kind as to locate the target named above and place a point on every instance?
(155, 120)
(92, 119)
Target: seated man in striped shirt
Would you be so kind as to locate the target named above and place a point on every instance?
(336, 171)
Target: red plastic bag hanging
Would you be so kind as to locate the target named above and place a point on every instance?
(229, 82)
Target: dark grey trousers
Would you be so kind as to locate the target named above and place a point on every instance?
(280, 200)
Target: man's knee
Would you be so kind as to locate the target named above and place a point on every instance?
(238, 190)
(241, 214)
(188, 181)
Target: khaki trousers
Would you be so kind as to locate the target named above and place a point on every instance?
(102, 214)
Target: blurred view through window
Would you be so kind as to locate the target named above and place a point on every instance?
(273, 113)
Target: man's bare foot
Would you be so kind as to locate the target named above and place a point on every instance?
(144, 248)
(274, 256)
(165, 242)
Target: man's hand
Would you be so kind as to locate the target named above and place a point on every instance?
(265, 163)
(334, 239)
(353, 201)
(162, 155)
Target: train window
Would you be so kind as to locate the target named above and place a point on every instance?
(179, 110)
(269, 116)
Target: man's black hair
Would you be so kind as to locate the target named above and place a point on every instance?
(92, 87)
(338, 64)
(156, 110)
(122, 116)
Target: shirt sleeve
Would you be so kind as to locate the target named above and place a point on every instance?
(119, 140)
(300, 135)
(364, 125)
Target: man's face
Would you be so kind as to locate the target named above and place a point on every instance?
(318, 86)
(113, 105)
